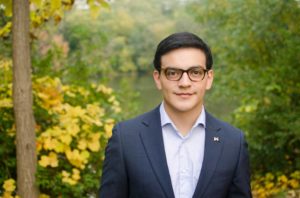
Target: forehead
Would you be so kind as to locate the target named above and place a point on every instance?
(184, 58)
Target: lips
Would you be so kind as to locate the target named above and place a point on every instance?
(184, 95)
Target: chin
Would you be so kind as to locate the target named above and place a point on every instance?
(184, 108)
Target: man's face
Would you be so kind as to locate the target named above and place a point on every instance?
(183, 95)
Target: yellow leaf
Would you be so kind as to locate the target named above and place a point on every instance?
(9, 185)
(44, 196)
(44, 161)
(76, 158)
(38, 3)
(65, 174)
(55, 5)
(103, 3)
(94, 146)
(36, 20)
(6, 103)
(73, 129)
(5, 65)
(76, 174)
(92, 120)
(60, 147)
(294, 183)
(76, 177)
(104, 89)
(7, 195)
(86, 127)
(94, 10)
(111, 99)
(94, 143)
(283, 179)
(94, 110)
(7, 4)
(108, 127)
(85, 155)
(49, 143)
(75, 171)
(66, 138)
(82, 144)
(50, 160)
(58, 16)
(95, 136)
(69, 181)
(75, 111)
(42, 95)
(67, 1)
(53, 159)
(269, 185)
(4, 31)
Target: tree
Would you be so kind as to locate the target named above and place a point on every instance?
(256, 46)
(22, 100)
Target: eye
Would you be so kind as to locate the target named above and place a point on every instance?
(172, 72)
(197, 72)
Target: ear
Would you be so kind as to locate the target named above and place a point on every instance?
(210, 79)
(156, 77)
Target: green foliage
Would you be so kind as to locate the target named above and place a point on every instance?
(7, 149)
(256, 46)
(122, 40)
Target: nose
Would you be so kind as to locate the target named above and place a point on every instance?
(184, 80)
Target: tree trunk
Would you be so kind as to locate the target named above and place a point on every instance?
(22, 98)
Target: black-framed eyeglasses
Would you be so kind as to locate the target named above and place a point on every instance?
(195, 74)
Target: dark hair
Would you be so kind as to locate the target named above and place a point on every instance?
(181, 40)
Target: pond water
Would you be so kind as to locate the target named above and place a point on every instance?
(142, 85)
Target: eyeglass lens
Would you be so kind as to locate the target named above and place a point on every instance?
(194, 73)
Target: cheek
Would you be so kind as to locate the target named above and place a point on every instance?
(162, 85)
(167, 88)
(201, 89)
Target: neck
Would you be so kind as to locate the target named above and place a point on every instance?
(183, 121)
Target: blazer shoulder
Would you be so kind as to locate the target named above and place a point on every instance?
(139, 121)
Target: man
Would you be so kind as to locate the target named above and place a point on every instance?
(178, 149)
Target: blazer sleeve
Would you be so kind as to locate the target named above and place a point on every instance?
(241, 187)
(114, 178)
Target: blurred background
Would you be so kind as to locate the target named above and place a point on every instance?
(97, 55)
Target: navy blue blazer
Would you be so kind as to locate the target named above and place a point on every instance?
(135, 164)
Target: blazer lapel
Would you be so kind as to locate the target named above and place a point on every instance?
(151, 136)
(212, 151)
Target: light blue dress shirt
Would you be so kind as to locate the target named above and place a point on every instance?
(184, 153)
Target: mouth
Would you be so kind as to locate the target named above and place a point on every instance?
(184, 95)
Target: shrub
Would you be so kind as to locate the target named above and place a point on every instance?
(73, 124)
(271, 184)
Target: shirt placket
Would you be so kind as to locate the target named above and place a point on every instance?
(185, 172)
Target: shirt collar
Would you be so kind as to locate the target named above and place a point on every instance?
(165, 119)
